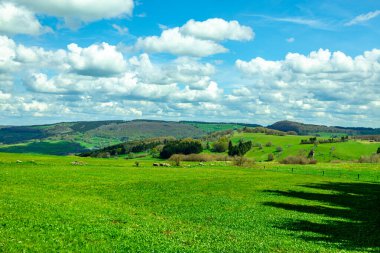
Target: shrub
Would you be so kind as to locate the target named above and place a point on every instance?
(270, 157)
(220, 146)
(103, 155)
(268, 144)
(242, 161)
(312, 161)
(279, 149)
(375, 158)
(297, 160)
(203, 157)
(378, 150)
(177, 158)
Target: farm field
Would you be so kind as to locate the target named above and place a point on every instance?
(48, 204)
(290, 144)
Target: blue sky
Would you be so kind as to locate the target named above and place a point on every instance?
(248, 61)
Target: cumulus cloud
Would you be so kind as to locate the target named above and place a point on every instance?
(96, 60)
(183, 70)
(4, 96)
(322, 86)
(217, 29)
(84, 10)
(195, 38)
(363, 18)
(16, 19)
(8, 54)
(315, 85)
(127, 86)
(14, 56)
(174, 42)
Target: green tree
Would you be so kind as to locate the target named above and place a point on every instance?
(221, 145)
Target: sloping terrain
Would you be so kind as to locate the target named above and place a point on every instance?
(76, 137)
(310, 129)
(283, 146)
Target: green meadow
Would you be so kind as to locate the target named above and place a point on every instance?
(290, 145)
(47, 204)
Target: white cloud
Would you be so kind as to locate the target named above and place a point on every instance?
(120, 30)
(290, 40)
(174, 42)
(363, 18)
(317, 84)
(39, 82)
(83, 10)
(96, 60)
(125, 86)
(196, 38)
(163, 27)
(7, 55)
(323, 86)
(183, 70)
(314, 23)
(217, 29)
(14, 56)
(4, 96)
(16, 19)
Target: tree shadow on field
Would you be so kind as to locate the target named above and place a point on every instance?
(352, 214)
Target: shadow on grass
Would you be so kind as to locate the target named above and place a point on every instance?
(352, 212)
(47, 148)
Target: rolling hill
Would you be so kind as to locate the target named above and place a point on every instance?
(76, 137)
(310, 129)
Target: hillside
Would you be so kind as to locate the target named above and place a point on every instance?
(310, 129)
(76, 137)
(290, 146)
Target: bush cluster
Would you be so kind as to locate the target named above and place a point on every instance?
(313, 140)
(375, 158)
(185, 146)
(297, 160)
(240, 149)
(267, 131)
(200, 157)
(221, 145)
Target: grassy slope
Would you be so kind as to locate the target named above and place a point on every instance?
(210, 127)
(45, 147)
(346, 151)
(108, 205)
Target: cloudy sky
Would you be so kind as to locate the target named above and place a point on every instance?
(214, 60)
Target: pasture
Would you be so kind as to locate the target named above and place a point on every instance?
(48, 204)
(290, 144)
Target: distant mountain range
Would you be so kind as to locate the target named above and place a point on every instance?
(90, 135)
(310, 129)
(74, 137)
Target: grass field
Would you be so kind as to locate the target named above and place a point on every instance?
(47, 204)
(290, 144)
(210, 127)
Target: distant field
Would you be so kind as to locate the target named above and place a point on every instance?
(290, 144)
(210, 127)
(48, 204)
(45, 147)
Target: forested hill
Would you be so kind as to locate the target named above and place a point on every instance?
(310, 129)
(88, 135)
